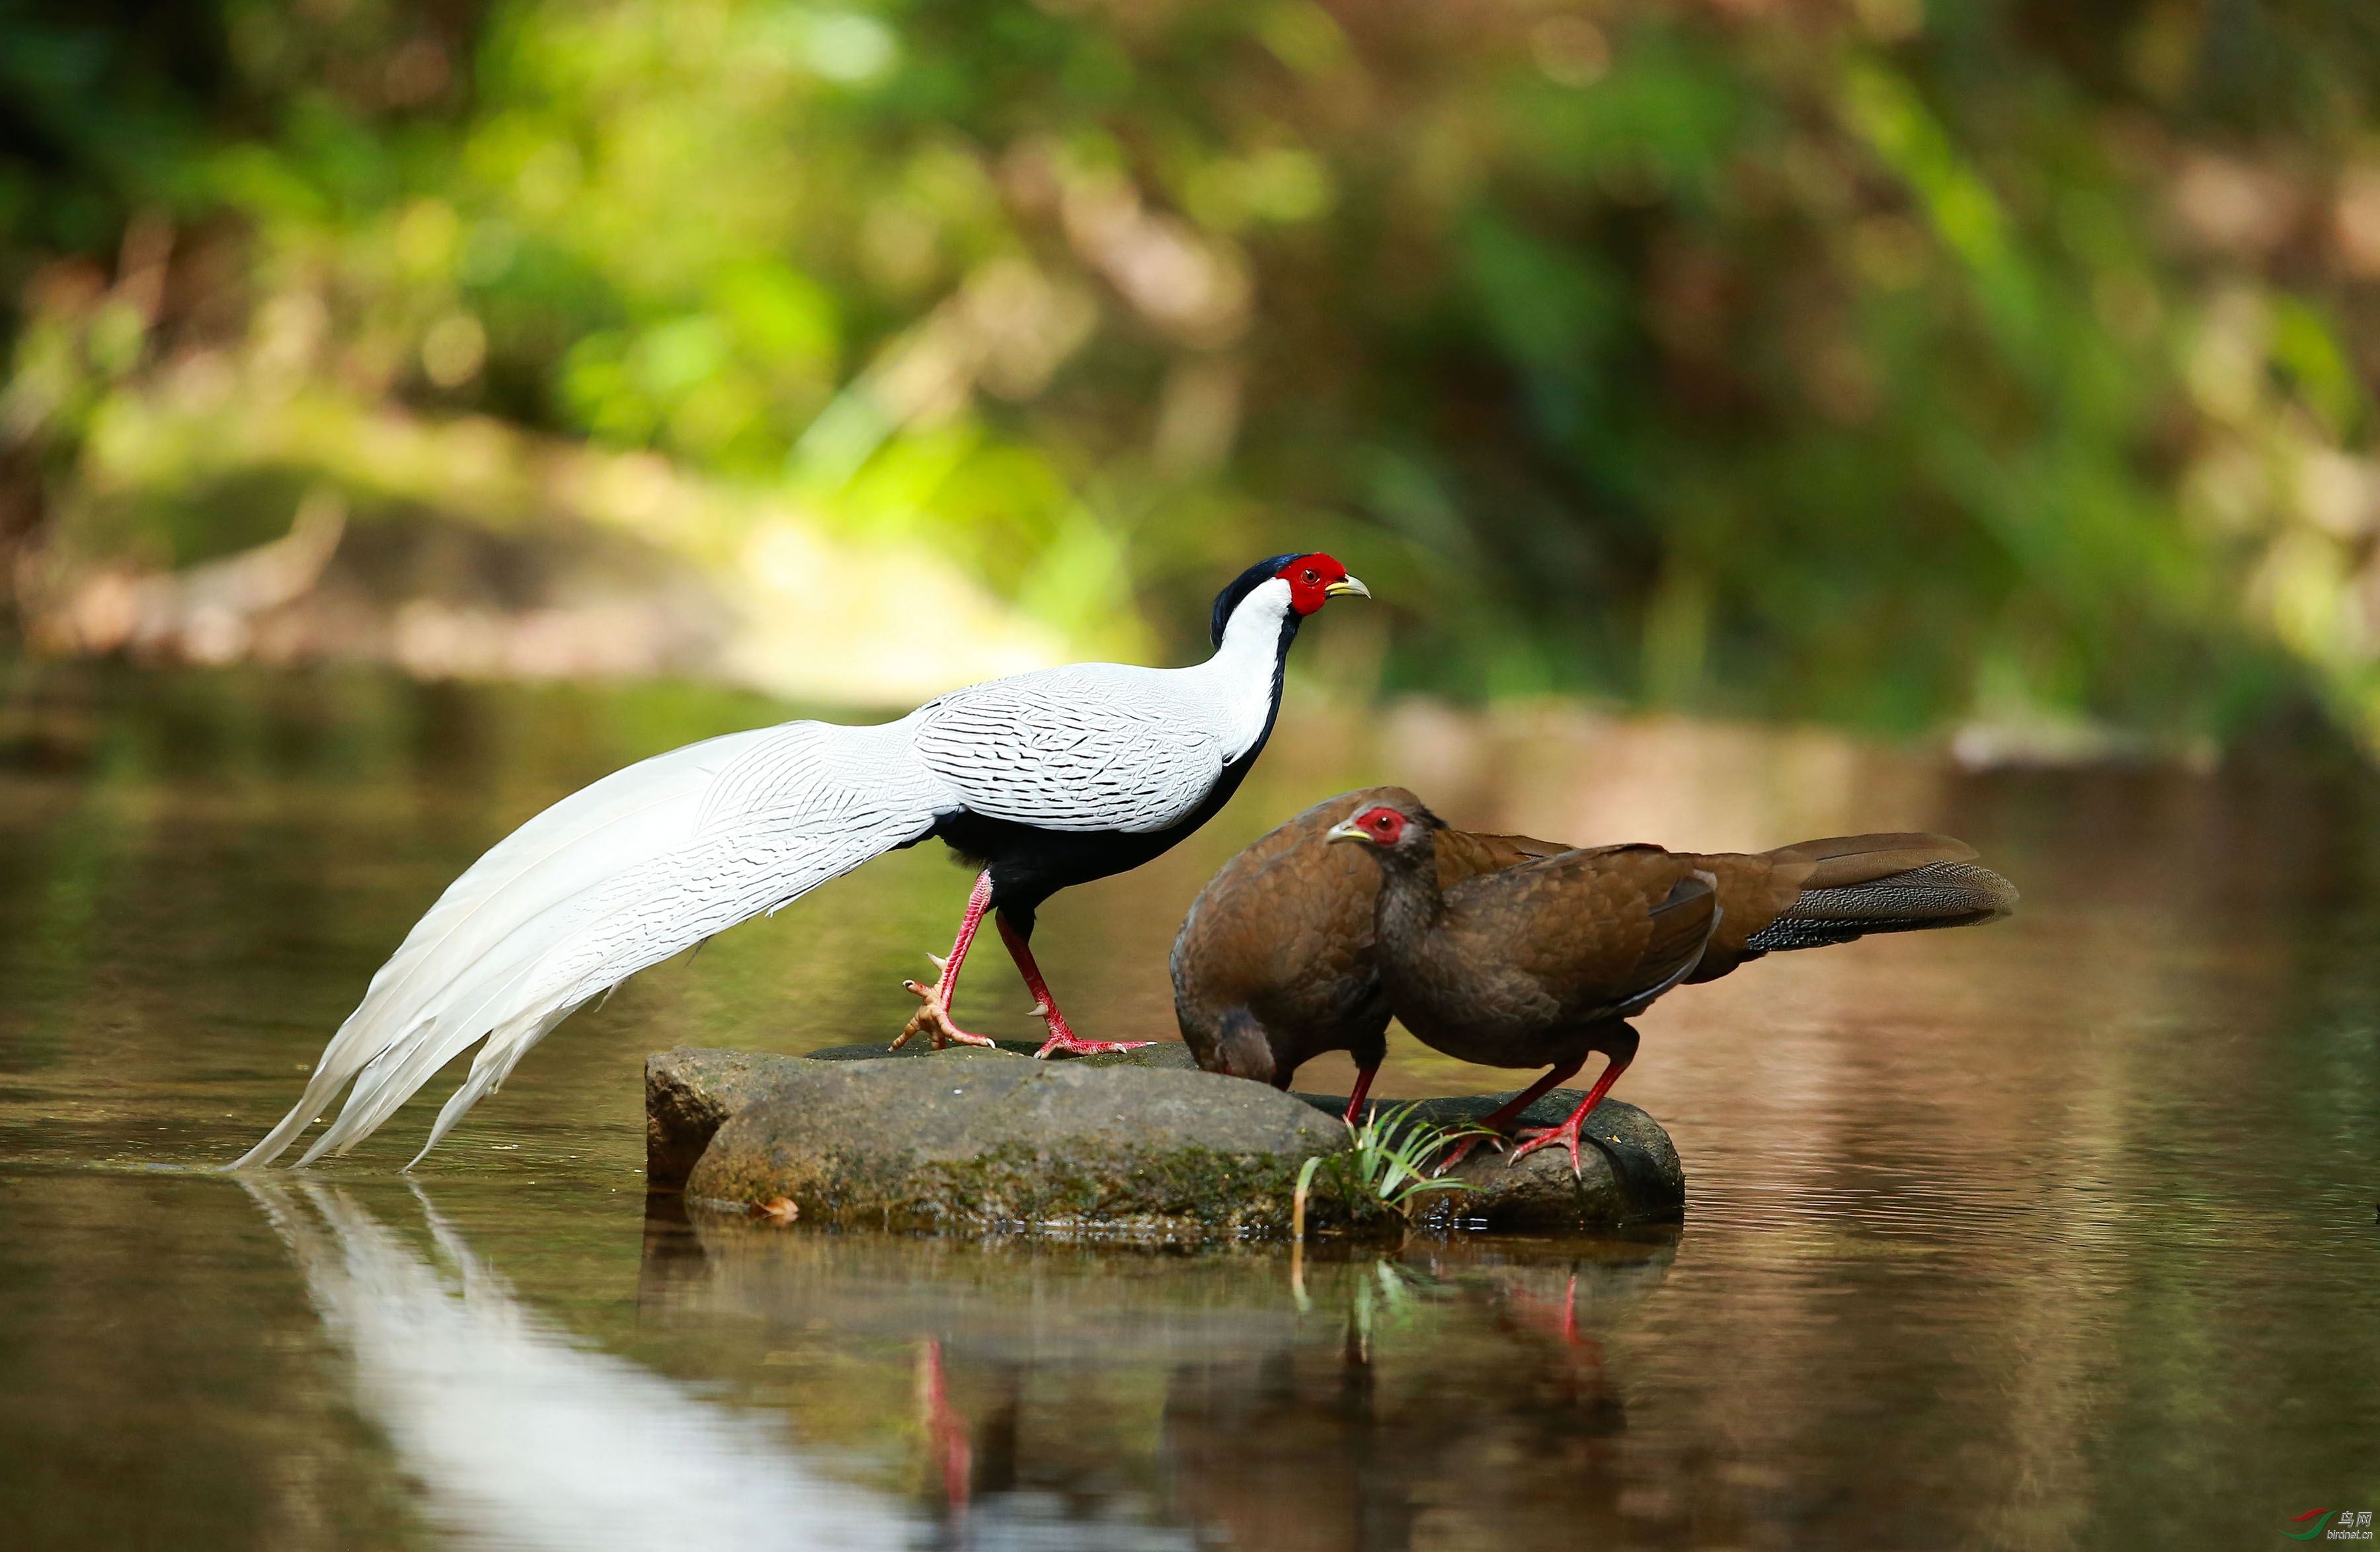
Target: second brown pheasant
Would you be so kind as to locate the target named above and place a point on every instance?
(1539, 964)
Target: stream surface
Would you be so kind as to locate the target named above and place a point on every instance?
(2057, 1233)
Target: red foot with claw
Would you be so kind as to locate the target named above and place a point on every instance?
(1062, 1039)
(1495, 1119)
(1065, 1042)
(934, 1019)
(1462, 1149)
(1566, 1134)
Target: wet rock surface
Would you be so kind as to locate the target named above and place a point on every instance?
(689, 1097)
(1139, 1141)
(991, 1140)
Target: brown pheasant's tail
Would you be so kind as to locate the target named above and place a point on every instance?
(1842, 887)
(1859, 884)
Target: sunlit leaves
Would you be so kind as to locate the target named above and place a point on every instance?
(1885, 361)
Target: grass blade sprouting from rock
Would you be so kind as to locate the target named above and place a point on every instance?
(1387, 1162)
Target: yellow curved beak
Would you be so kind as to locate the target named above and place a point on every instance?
(1345, 585)
(1346, 830)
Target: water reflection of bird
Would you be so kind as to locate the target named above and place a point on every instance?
(1128, 1396)
(1539, 964)
(1049, 779)
(1274, 965)
(1440, 1391)
(521, 1435)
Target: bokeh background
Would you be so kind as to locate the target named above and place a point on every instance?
(1989, 367)
(1756, 419)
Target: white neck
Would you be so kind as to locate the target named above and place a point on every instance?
(1240, 675)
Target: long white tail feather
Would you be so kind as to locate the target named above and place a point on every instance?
(487, 1076)
(553, 835)
(392, 1012)
(621, 875)
(373, 1028)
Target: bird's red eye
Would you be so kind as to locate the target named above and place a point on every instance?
(1312, 575)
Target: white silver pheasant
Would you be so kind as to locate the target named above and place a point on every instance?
(1046, 779)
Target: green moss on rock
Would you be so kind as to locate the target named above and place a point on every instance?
(905, 1143)
(1139, 1142)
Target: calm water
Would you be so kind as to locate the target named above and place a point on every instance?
(2059, 1233)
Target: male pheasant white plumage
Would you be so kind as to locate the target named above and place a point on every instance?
(1050, 778)
(1095, 746)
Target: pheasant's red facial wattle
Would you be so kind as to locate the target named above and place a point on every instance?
(1381, 826)
(1312, 580)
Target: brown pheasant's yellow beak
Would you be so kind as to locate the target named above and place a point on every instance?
(1347, 830)
(1344, 586)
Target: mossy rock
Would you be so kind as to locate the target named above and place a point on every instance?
(1628, 1170)
(690, 1092)
(990, 1142)
(1136, 1141)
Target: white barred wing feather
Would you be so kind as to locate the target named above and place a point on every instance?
(1095, 747)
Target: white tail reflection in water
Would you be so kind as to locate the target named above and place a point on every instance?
(521, 1436)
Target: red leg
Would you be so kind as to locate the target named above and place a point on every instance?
(1045, 1007)
(1363, 1076)
(1567, 1134)
(1494, 1120)
(946, 1431)
(935, 1017)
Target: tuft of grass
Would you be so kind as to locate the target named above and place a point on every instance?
(1387, 1161)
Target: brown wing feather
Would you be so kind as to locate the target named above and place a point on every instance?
(1754, 890)
(1682, 926)
(1467, 853)
(1590, 930)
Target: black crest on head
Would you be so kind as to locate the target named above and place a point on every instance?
(1242, 585)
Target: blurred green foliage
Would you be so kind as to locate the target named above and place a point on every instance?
(1896, 362)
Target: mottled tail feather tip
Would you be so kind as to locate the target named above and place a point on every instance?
(1916, 900)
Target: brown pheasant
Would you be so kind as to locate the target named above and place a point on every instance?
(1541, 962)
(1274, 965)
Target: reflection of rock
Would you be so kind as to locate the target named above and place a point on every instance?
(990, 1140)
(979, 1137)
(1039, 1304)
(520, 1436)
(1348, 1400)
